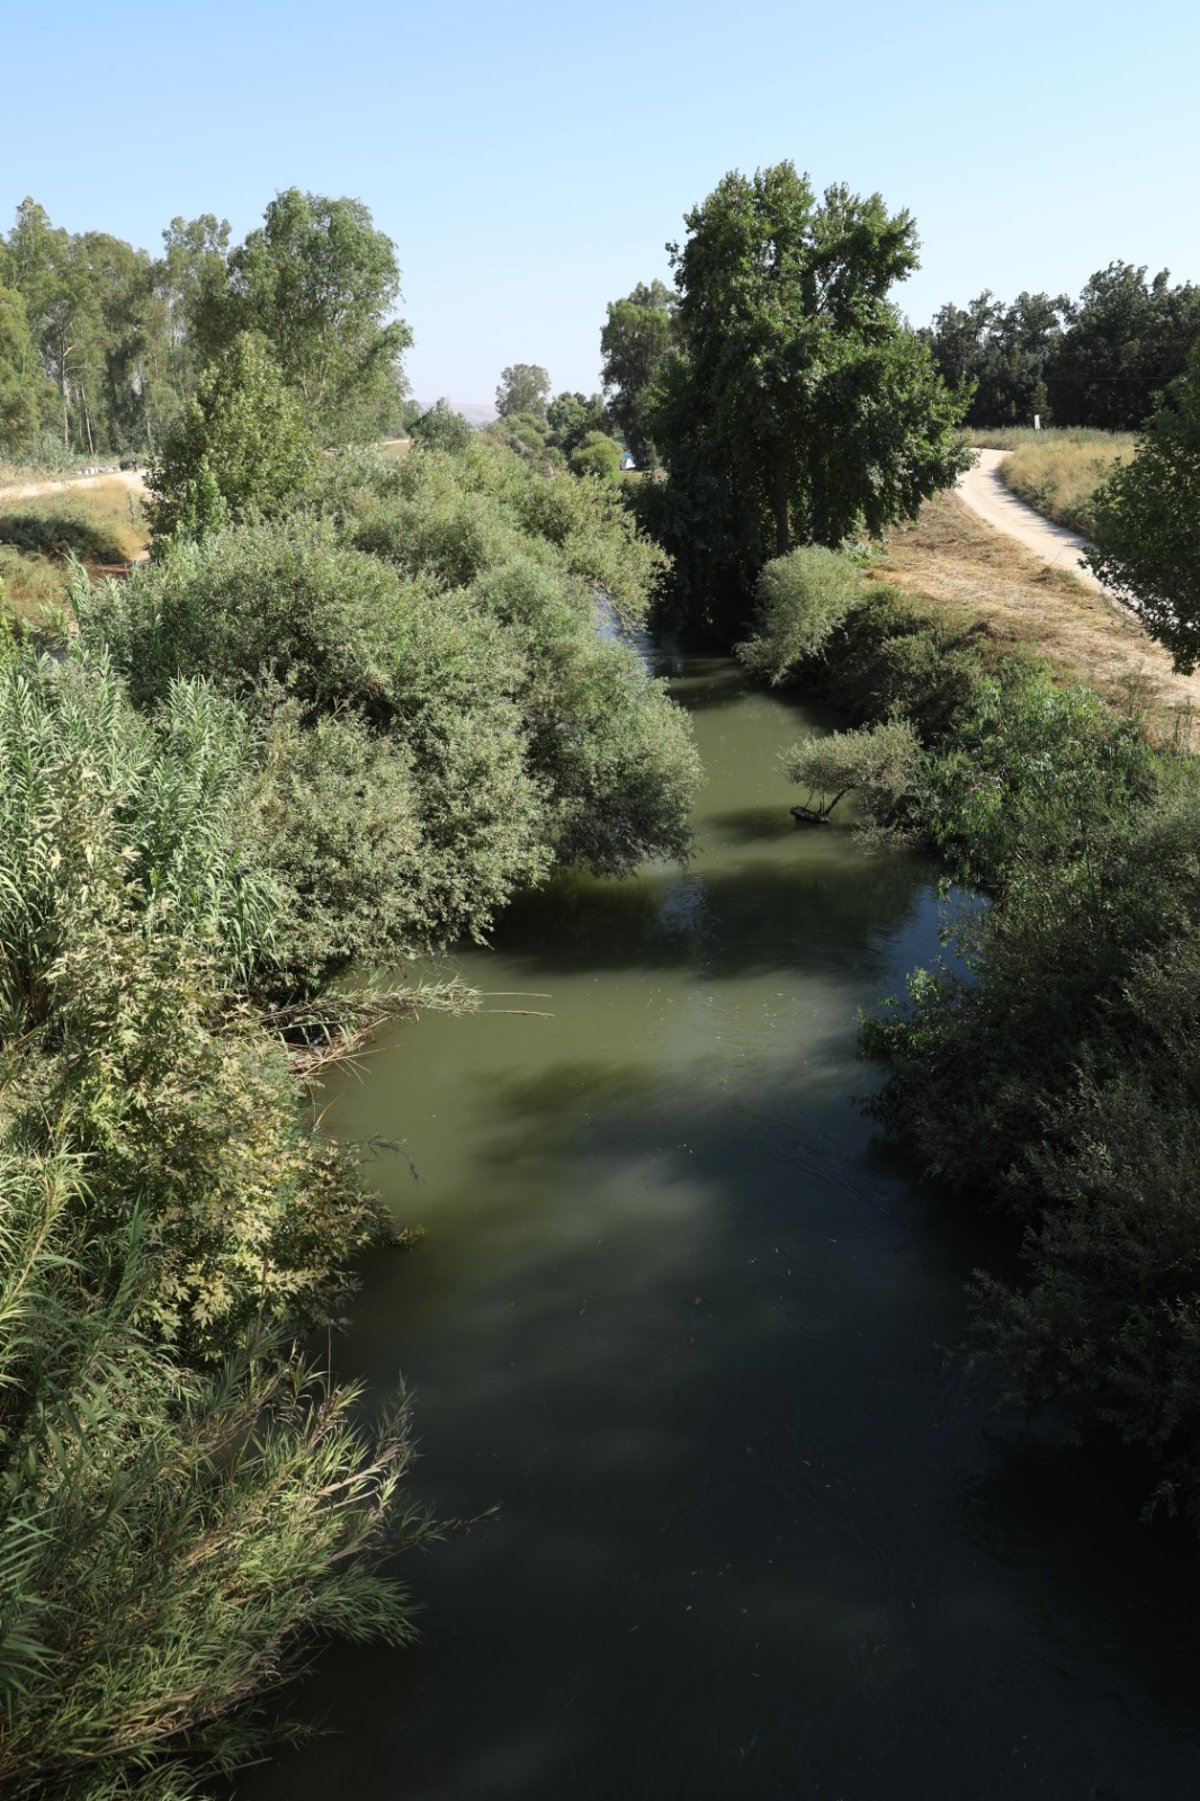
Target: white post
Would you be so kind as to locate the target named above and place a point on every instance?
(1037, 422)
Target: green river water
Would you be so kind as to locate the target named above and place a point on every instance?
(683, 1319)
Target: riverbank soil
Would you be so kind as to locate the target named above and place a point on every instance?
(951, 560)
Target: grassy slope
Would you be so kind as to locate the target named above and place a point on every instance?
(952, 560)
(102, 524)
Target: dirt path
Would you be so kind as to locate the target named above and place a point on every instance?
(128, 478)
(985, 493)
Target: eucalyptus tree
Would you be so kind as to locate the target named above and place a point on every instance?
(320, 283)
(524, 388)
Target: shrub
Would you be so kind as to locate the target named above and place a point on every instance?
(170, 1541)
(880, 761)
(241, 446)
(801, 599)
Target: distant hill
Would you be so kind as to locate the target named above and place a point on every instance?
(477, 412)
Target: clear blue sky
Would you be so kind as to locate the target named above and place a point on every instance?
(531, 160)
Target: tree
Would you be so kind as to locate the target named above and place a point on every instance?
(1128, 339)
(241, 444)
(635, 340)
(318, 281)
(441, 428)
(1148, 523)
(1004, 353)
(598, 455)
(571, 417)
(23, 393)
(796, 407)
(524, 388)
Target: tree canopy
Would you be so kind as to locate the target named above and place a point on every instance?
(524, 388)
(635, 339)
(242, 445)
(795, 406)
(319, 282)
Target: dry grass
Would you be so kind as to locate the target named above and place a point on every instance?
(1057, 473)
(103, 524)
(953, 561)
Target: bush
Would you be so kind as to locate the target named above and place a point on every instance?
(801, 599)
(169, 1541)
(597, 455)
(442, 719)
(880, 761)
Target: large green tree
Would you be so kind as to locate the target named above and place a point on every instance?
(796, 407)
(524, 388)
(635, 340)
(23, 393)
(1148, 523)
(319, 282)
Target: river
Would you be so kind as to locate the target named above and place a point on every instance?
(683, 1319)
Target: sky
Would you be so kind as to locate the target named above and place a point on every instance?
(531, 161)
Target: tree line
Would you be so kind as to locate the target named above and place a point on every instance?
(102, 345)
(1103, 360)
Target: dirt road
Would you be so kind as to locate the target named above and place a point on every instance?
(984, 492)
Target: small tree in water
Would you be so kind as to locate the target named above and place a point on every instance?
(880, 761)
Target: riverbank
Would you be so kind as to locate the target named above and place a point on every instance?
(961, 569)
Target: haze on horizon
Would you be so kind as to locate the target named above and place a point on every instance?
(531, 162)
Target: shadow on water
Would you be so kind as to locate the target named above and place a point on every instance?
(725, 923)
(684, 1319)
(758, 1535)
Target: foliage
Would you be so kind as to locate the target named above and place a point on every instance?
(241, 446)
(1000, 356)
(796, 408)
(441, 428)
(1147, 518)
(168, 1540)
(442, 721)
(1029, 774)
(598, 455)
(1099, 361)
(1052, 1073)
(318, 282)
(573, 418)
(634, 341)
(524, 388)
(88, 789)
(801, 599)
(880, 761)
(1127, 340)
(24, 395)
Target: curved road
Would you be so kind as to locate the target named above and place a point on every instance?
(985, 494)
